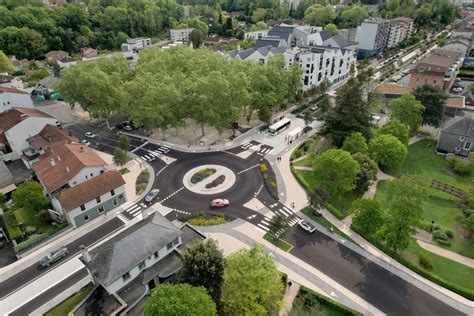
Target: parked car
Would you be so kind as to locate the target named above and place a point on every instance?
(307, 226)
(54, 256)
(90, 135)
(151, 196)
(86, 142)
(127, 128)
(457, 90)
(458, 80)
(219, 203)
(126, 125)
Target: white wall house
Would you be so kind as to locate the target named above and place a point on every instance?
(11, 97)
(181, 35)
(135, 44)
(256, 34)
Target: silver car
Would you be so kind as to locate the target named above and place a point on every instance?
(54, 256)
(310, 228)
(151, 196)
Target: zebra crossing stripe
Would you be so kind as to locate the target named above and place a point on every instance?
(123, 218)
(134, 210)
(286, 208)
(263, 227)
(126, 204)
(265, 221)
(283, 213)
(129, 206)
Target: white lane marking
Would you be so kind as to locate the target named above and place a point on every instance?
(263, 227)
(285, 212)
(123, 218)
(242, 171)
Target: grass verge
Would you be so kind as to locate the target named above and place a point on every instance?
(68, 305)
(283, 245)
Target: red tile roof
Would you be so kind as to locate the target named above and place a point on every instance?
(50, 135)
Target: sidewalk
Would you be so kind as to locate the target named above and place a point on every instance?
(446, 253)
(298, 194)
(290, 295)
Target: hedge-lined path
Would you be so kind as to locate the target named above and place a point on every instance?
(290, 294)
(446, 253)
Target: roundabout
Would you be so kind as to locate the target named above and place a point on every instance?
(221, 180)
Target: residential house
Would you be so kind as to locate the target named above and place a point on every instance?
(48, 137)
(438, 69)
(77, 182)
(458, 137)
(7, 181)
(88, 53)
(256, 34)
(57, 55)
(17, 125)
(11, 97)
(181, 35)
(137, 259)
(6, 81)
(136, 44)
(18, 64)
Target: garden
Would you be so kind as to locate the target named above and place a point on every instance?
(142, 181)
(206, 218)
(202, 174)
(269, 179)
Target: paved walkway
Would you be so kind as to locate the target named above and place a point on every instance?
(291, 189)
(446, 253)
(370, 193)
(303, 168)
(290, 294)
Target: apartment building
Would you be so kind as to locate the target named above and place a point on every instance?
(438, 69)
(181, 35)
(320, 55)
(256, 34)
(135, 44)
(400, 29)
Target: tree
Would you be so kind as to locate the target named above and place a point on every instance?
(388, 151)
(120, 157)
(336, 171)
(252, 284)
(355, 143)
(433, 99)
(408, 111)
(5, 63)
(30, 196)
(351, 114)
(353, 16)
(258, 15)
(331, 28)
(397, 129)
(319, 15)
(469, 223)
(179, 299)
(368, 216)
(368, 171)
(124, 142)
(277, 225)
(203, 265)
(196, 38)
(405, 208)
(22, 42)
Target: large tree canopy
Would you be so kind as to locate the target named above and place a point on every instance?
(408, 111)
(433, 99)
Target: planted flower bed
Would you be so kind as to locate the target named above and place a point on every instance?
(216, 182)
(142, 181)
(202, 174)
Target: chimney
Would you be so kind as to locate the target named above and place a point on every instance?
(53, 163)
(81, 150)
(59, 158)
(145, 213)
(67, 169)
(86, 256)
(50, 138)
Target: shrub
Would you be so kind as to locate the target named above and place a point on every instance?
(217, 181)
(439, 234)
(30, 242)
(263, 167)
(435, 227)
(14, 231)
(443, 242)
(461, 167)
(425, 260)
(449, 233)
(202, 174)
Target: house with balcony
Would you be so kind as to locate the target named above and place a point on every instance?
(181, 35)
(136, 260)
(439, 69)
(78, 183)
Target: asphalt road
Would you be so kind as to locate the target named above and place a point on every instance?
(381, 288)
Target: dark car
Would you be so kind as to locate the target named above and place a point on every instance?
(126, 125)
(54, 256)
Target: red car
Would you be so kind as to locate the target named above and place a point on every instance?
(219, 203)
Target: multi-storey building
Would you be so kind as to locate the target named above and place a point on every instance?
(180, 35)
(256, 34)
(135, 44)
(438, 69)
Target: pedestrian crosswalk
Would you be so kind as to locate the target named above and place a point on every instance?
(248, 144)
(291, 218)
(153, 154)
(131, 210)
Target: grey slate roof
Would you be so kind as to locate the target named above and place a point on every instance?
(341, 41)
(325, 34)
(463, 127)
(265, 41)
(112, 259)
(6, 177)
(281, 31)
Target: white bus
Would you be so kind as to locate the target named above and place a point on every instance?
(279, 126)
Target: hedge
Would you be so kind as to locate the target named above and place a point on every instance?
(14, 231)
(467, 293)
(309, 294)
(30, 242)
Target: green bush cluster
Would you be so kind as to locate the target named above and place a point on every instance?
(202, 174)
(30, 242)
(461, 167)
(308, 299)
(441, 235)
(14, 231)
(425, 260)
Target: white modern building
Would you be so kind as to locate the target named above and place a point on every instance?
(11, 97)
(136, 44)
(256, 34)
(181, 35)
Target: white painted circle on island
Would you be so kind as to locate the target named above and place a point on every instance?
(200, 187)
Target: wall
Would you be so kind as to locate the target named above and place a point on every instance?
(418, 79)
(134, 272)
(85, 174)
(30, 126)
(367, 35)
(9, 100)
(76, 216)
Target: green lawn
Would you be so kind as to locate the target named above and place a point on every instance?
(306, 162)
(283, 245)
(342, 203)
(29, 219)
(448, 270)
(423, 160)
(68, 305)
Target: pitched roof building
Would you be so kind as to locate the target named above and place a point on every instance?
(458, 137)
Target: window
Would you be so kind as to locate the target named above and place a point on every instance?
(434, 81)
(115, 202)
(100, 209)
(112, 192)
(175, 242)
(142, 265)
(86, 217)
(83, 208)
(156, 254)
(467, 145)
(92, 174)
(169, 246)
(97, 199)
(126, 276)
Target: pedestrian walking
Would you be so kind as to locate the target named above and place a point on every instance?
(332, 229)
(289, 284)
(292, 205)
